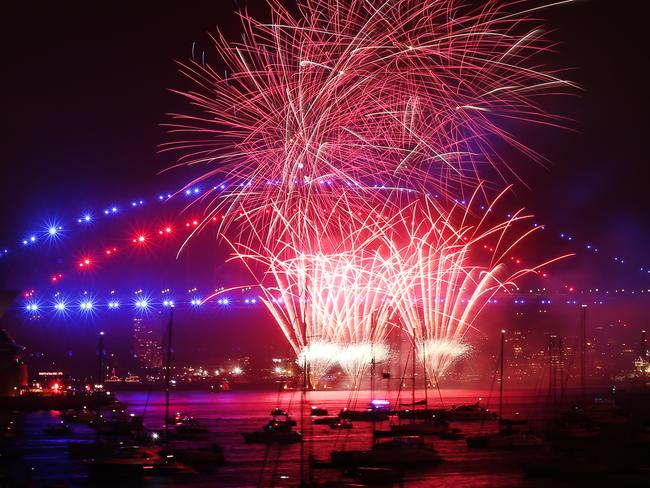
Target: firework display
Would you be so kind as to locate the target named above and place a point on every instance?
(443, 281)
(350, 94)
(417, 271)
(355, 126)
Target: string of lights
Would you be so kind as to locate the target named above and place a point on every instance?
(54, 231)
(89, 303)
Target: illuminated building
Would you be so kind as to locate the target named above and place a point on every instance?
(642, 362)
(147, 345)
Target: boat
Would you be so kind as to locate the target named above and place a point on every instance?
(203, 459)
(568, 435)
(399, 451)
(191, 426)
(318, 411)
(508, 436)
(113, 378)
(278, 429)
(421, 413)
(82, 416)
(280, 415)
(178, 417)
(605, 413)
(272, 432)
(136, 461)
(58, 429)
(326, 420)
(120, 423)
(186, 427)
(437, 426)
(470, 413)
(377, 411)
(412, 412)
(341, 424)
(505, 439)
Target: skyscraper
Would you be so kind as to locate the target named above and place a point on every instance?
(147, 344)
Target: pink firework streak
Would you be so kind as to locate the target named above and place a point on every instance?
(443, 278)
(353, 94)
(421, 270)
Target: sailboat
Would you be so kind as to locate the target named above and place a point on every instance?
(378, 410)
(401, 450)
(201, 458)
(423, 421)
(131, 461)
(279, 429)
(508, 436)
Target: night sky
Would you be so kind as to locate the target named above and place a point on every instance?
(85, 89)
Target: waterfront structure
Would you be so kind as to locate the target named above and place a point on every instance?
(13, 372)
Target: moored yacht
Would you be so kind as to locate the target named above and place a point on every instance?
(377, 411)
(278, 429)
(137, 461)
(469, 413)
(191, 426)
(399, 451)
(318, 411)
(506, 439)
(281, 416)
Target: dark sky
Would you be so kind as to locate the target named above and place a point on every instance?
(84, 89)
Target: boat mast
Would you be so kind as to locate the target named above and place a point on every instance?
(100, 358)
(303, 395)
(100, 354)
(413, 378)
(503, 335)
(168, 373)
(305, 375)
(373, 325)
(583, 353)
(424, 373)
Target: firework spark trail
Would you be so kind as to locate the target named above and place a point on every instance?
(354, 359)
(443, 279)
(349, 93)
(330, 301)
(332, 127)
(338, 297)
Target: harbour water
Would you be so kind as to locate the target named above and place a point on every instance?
(33, 458)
